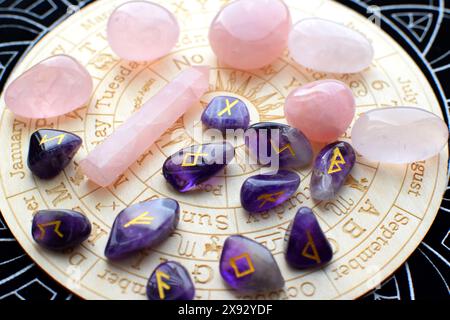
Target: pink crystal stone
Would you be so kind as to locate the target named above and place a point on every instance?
(249, 34)
(127, 143)
(142, 31)
(53, 87)
(399, 135)
(322, 110)
(328, 46)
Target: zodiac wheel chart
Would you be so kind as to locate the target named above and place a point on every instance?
(378, 219)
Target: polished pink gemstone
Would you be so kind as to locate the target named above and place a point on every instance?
(328, 46)
(249, 34)
(322, 110)
(399, 135)
(51, 88)
(142, 31)
(128, 142)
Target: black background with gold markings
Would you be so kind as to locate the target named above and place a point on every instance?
(422, 27)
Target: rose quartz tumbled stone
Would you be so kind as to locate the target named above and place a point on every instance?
(322, 110)
(142, 31)
(53, 87)
(399, 135)
(328, 46)
(249, 34)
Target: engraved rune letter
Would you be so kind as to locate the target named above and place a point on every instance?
(140, 219)
(286, 147)
(269, 197)
(45, 139)
(161, 284)
(336, 161)
(250, 268)
(196, 156)
(310, 244)
(56, 225)
(227, 109)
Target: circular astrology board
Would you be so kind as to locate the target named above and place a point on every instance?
(378, 219)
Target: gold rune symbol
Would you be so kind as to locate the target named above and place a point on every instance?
(227, 109)
(310, 244)
(249, 270)
(56, 224)
(140, 219)
(286, 147)
(336, 161)
(45, 139)
(196, 156)
(161, 284)
(270, 197)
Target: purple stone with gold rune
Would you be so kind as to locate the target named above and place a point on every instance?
(170, 281)
(307, 245)
(266, 191)
(225, 112)
(142, 226)
(51, 151)
(278, 144)
(191, 166)
(249, 267)
(60, 229)
(331, 168)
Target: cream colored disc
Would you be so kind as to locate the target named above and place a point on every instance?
(376, 222)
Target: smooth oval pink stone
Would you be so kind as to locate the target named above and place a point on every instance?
(322, 110)
(142, 31)
(53, 87)
(399, 135)
(249, 34)
(328, 46)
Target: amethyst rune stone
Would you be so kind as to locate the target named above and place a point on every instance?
(170, 281)
(266, 191)
(306, 244)
(142, 226)
(248, 266)
(60, 229)
(226, 113)
(331, 168)
(278, 145)
(191, 166)
(51, 151)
